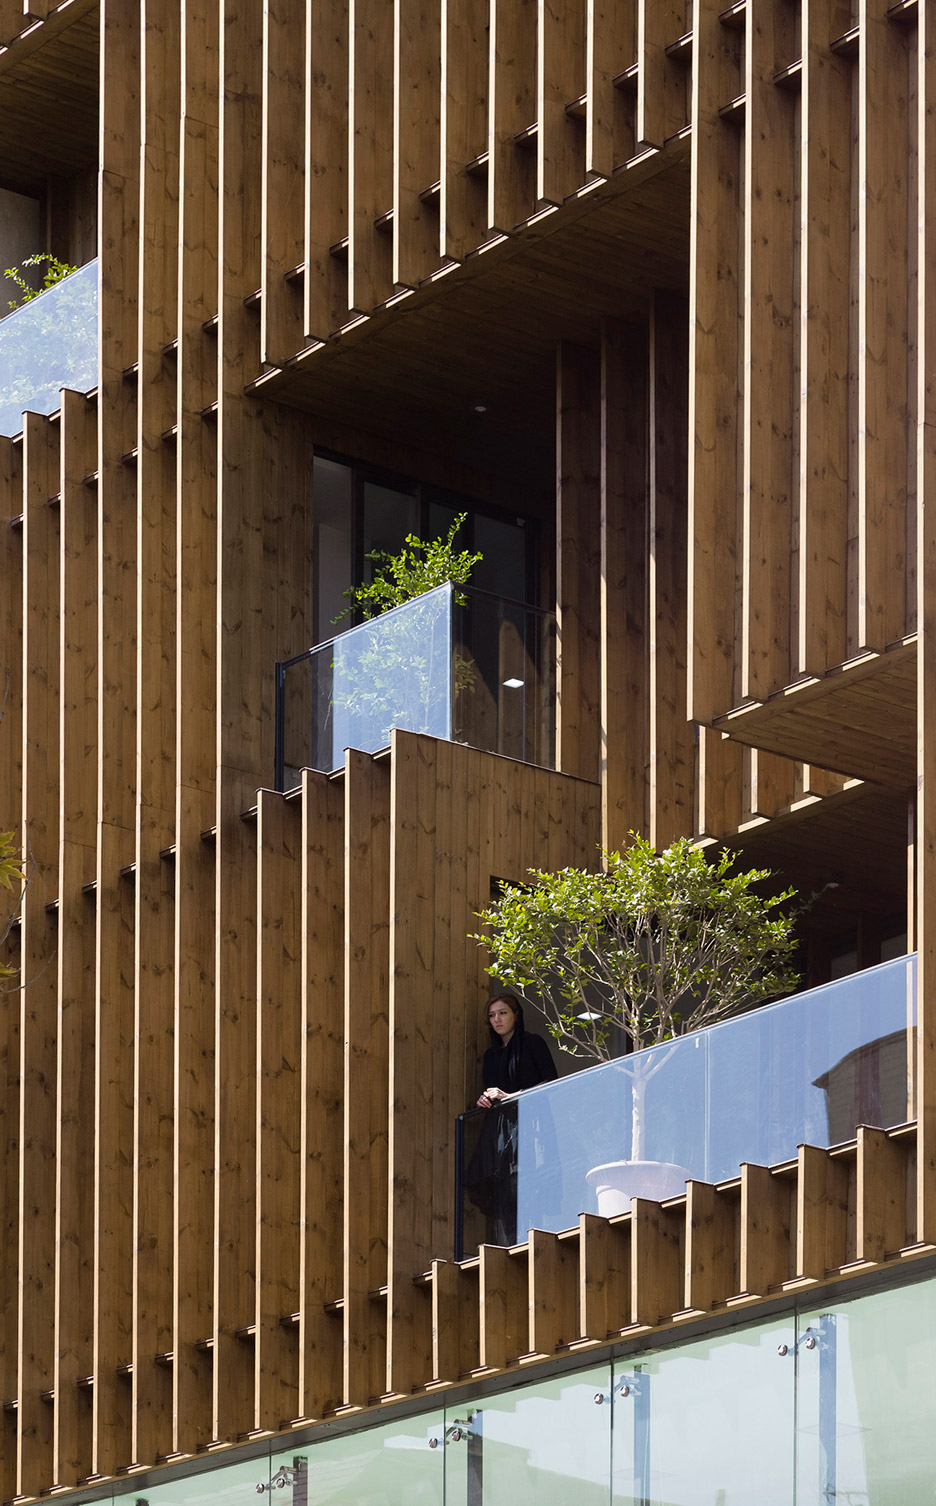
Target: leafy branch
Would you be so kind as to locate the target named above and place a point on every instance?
(419, 566)
(55, 271)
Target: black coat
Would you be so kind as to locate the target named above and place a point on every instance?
(524, 1062)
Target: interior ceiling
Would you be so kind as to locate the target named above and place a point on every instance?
(852, 846)
(49, 98)
(485, 335)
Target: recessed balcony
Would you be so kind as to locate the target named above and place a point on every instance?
(47, 344)
(454, 663)
(807, 1070)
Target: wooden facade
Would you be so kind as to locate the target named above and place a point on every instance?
(659, 269)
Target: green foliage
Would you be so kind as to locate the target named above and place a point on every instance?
(55, 271)
(657, 945)
(11, 872)
(419, 567)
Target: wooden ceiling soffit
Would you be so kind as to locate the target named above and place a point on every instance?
(857, 719)
(49, 95)
(499, 314)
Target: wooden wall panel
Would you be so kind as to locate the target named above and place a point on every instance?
(38, 991)
(661, 81)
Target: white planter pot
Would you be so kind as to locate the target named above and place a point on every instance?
(619, 1181)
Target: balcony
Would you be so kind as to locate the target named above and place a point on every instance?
(807, 1070)
(454, 663)
(47, 344)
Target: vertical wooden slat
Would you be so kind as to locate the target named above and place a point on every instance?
(710, 1245)
(38, 980)
(152, 1432)
(449, 1314)
(560, 79)
(74, 1149)
(464, 85)
(661, 86)
(881, 1195)
(718, 784)
(325, 286)
(511, 106)
(767, 398)
(320, 1262)
(610, 47)
(604, 1276)
(282, 184)
(118, 333)
(713, 383)
(279, 989)
(503, 1307)
(671, 745)
(578, 507)
(413, 902)
(416, 138)
(366, 1007)
(370, 160)
(553, 1288)
(625, 731)
(823, 350)
(821, 1212)
(765, 1230)
(882, 326)
(11, 767)
(657, 1261)
(923, 924)
(239, 715)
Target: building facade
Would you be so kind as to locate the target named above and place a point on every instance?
(641, 288)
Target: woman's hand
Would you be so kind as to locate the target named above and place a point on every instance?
(490, 1096)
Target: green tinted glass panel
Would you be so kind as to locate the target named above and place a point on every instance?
(222, 1485)
(544, 1445)
(402, 1461)
(866, 1399)
(708, 1423)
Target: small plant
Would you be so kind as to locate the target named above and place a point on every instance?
(11, 869)
(656, 945)
(55, 271)
(418, 567)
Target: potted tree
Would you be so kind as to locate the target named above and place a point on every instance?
(654, 946)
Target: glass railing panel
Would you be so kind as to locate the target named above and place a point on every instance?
(709, 1421)
(401, 1460)
(453, 663)
(394, 671)
(505, 677)
(808, 1069)
(47, 344)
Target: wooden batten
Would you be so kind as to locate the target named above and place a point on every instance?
(604, 1276)
(463, 202)
(370, 160)
(325, 177)
(511, 178)
(766, 1225)
(578, 504)
(553, 1292)
(503, 1303)
(560, 79)
(658, 1236)
(711, 1251)
(661, 78)
(36, 1134)
(610, 49)
(283, 181)
(416, 139)
(821, 1213)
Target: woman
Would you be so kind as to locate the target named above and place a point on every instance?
(514, 1060)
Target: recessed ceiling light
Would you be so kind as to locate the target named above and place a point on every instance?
(513, 684)
(480, 407)
(588, 1015)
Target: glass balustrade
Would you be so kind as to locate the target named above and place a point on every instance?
(454, 663)
(830, 1403)
(808, 1069)
(47, 344)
